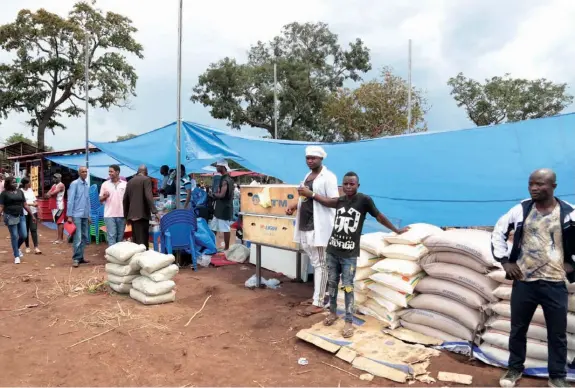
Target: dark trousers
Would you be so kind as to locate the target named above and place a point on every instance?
(141, 232)
(32, 228)
(525, 297)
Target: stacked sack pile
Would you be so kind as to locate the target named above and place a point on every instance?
(397, 275)
(155, 285)
(370, 246)
(120, 273)
(145, 275)
(496, 337)
(451, 300)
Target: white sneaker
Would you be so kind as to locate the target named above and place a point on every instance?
(17, 260)
(27, 250)
(21, 254)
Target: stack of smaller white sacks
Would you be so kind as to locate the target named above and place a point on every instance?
(145, 275)
(396, 276)
(118, 269)
(369, 254)
(452, 298)
(496, 338)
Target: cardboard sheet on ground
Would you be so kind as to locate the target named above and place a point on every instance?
(371, 350)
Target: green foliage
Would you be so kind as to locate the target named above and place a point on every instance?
(376, 108)
(19, 137)
(311, 65)
(125, 137)
(506, 99)
(46, 76)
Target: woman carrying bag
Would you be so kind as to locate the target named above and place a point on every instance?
(31, 227)
(12, 205)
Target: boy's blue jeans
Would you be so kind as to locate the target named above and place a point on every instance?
(344, 268)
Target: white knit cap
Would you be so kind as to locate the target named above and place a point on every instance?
(223, 163)
(315, 151)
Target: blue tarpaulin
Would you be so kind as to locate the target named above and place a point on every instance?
(456, 178)
(99, 164)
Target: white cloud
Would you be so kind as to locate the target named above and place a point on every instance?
(481, 38)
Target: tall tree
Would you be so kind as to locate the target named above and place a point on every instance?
(311, 65)
(19, 137)
(506, 99)
(127, 136)
(376, 108)
(46, 77)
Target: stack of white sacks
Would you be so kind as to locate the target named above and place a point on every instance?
(452, 299)
(145, 275)
(496, 337)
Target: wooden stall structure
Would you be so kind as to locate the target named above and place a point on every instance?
(265, 223)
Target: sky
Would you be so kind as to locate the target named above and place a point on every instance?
(481, 38)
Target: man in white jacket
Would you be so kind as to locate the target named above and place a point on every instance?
(314, 223)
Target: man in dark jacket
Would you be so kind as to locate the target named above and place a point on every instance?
(539, 264)
(139, 206)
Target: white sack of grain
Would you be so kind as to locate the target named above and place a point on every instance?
(363, 273)
(358, 298)
(501, 356)
(400, 283)
(401, 267)
(151, 300)
(124, 250)
(362, 285)
(387, 318)
(470, 318)
(448, 289)
(373, 242)
(430, 331)
(366, 259)
(503, 308)
(504, 292)
(385, 303)
(121, 279)
(415, 235)
(473, 243)
(405, 252)
(152, 261)
(122, 288)
(437, 321)
(459, 259)
(499, 277)
(113, 260)
(464, 276)
(535, 349)
(120, 270)
(399, 298)
(163, 274)
(536, 330)
(151, 288)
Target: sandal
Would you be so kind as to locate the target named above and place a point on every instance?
(347, 332)
(330, 320)
(309, 312)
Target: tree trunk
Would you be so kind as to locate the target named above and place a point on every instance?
(41, 136)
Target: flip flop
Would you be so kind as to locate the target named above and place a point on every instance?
(330, 320)
(348, 332)
(308, 313)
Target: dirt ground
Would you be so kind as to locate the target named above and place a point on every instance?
(50, 316)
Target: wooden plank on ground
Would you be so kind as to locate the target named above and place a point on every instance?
(454, 378)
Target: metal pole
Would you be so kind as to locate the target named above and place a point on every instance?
(87, 80)
(179, 109)
(275, 101)
(409, 86)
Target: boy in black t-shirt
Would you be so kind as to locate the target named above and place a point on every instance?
(343, 247)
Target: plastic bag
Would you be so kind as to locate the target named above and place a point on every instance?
(238, 253)
(270, 283)
(205, 260)
(205, 239)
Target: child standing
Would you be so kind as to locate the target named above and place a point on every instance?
(343, 247)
